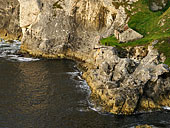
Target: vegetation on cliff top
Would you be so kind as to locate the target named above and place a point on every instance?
(153, 25)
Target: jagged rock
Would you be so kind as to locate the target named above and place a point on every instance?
(126, 83)
(9, 23)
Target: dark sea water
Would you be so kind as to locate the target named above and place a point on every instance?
(40, 93)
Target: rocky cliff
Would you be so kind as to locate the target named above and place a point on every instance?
(124, 82)
(9, 23)
(78, 25)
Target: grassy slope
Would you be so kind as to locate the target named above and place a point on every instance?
(153, 25)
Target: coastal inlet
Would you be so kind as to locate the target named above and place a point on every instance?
(41, 93)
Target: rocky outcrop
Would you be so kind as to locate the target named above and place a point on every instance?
(57, 25)
(124, 85)
(73, 28)
(127, 35)
(9, 23)
(157, 5)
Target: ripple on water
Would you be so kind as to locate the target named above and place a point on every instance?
(166, 108)
(10, 51)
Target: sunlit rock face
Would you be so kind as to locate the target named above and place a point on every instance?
(58, 25)
(53, 26)
(157, 5)
(9, 19)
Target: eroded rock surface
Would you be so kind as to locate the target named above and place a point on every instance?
(57, 25)
(9, 20)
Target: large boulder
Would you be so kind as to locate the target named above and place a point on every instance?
(9, 23)
(127, 35)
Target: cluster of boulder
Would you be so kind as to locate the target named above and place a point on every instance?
(125, 84)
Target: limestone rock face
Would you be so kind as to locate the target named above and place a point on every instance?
(53, 26)
(9, 23)
(156, 5)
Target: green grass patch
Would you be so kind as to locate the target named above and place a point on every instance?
(112, 41)
(109, 41)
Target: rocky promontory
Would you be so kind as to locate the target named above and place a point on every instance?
(125, 81)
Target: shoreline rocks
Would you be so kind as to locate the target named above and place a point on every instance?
(123, 85)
